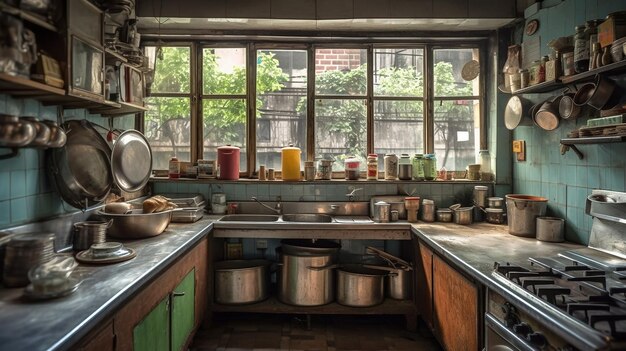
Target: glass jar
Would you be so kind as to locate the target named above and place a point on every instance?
(430, 167)
(524, 78)
(418, 167)
(324, 169)
(174, 168)
(485, 165)
(352, 165)
(391, 167)
(592, 30)
(581, 49)
(405, 168)
(372, 167)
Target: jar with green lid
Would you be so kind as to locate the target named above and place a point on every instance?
(430, 167)
(418, 166)
(581, 49)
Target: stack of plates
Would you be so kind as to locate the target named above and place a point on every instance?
(107, 252)
(24, 252)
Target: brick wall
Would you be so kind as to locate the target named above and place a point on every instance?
(337, 59)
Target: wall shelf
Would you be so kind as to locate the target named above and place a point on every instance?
(111, 55)
(568, 143)
(27, 88)
(124, 108)
(28, 16)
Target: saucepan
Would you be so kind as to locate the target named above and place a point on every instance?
(600, 95)
(516, 113)
(567, 108)
(547, 116)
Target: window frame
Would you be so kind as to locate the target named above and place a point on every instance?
(428, 98)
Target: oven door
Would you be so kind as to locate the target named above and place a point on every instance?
(501, 338)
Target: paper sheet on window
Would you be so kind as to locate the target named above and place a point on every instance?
(531, 51)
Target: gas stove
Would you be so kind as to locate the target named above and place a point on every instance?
(580, 294)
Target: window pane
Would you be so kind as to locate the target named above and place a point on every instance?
(224, 123)
(223, 71)
(398, 127)
(167, 128)
(398, 72)
(448, 66)
(340, 130)
(457, 133)
(172, 70)
(341, 71)
(281, 104)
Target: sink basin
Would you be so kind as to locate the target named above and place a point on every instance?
(249, 218)
(307, 217)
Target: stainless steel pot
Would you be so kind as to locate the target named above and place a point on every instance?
(398, 285)
(358, 286)
(241, 281)
(308, 247)
(550, 229)
(522, 210)
(444, 215)
(88, 233)
(306, 280)
(462, 215)
(495, 202)
(382, 211)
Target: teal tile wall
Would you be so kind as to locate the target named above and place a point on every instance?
(444, 194)
(26, 194)
(564, 179)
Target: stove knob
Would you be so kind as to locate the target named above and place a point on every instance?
(523, 329)
(537, 339)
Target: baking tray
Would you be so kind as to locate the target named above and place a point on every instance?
(187, 215)
(186, 200)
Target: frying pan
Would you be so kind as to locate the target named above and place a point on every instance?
(81, 170)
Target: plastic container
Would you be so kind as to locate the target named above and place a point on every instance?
(391, 167)
(418, 167)
(290, 162)
(351, 166)
(228, 162)
(372, 167)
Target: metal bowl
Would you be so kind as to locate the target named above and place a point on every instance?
(137, 225)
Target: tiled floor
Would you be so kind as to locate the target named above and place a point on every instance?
(254, 332)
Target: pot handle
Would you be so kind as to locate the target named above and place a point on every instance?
(517, 203)
(323, 268)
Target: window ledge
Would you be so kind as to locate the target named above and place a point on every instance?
(334, 181)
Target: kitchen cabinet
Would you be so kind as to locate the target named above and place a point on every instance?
(164, 314)
(169, 324)
(448, 302)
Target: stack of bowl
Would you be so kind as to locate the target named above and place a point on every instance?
(24, 252)
(494, 210)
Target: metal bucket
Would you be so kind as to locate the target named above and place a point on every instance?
(522, 212)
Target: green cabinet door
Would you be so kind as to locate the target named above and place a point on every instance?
(183, 309)
(153, 332)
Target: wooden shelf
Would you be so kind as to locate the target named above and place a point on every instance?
(616, 67)
(27, 88)
(539, 88)
(572, 142)
(272, 305)
(28, 16)
(111, 55)
(124, 108)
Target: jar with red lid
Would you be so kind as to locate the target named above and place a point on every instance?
(352, 165)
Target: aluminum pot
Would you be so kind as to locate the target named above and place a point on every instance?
(358, 286)
(522, 211)
(306, 280)
(495, 202)
(462, 215)
(399, 282)
(241, 281)
(550, 229)
(308, 247)
(444, 215)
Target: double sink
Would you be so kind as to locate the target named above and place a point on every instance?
(292, 217)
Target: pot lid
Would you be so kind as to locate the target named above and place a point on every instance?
(494, 210)
(228, 147)
(513, 113)
(131, 161)
(382, 203)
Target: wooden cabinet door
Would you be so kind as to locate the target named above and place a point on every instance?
(101, 340)
(424, 288)
(183, 307)
(153, 332)
(456, 308)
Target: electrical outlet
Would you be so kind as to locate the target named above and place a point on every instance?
(261, 244)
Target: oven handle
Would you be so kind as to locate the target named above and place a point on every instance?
(507, 334)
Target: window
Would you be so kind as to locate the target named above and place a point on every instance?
(167, 123)
(330, 100)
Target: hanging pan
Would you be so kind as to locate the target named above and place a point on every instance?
(131, 161)
(81, 170)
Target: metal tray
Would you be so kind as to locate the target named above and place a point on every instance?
(186, 200)
(187, 215)
(131, 161)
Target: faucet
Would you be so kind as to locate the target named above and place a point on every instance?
(278, 209)
(352, 195)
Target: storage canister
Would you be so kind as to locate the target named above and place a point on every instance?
(290, 162)
(550, 229)
(418, 167)
(352, 165)
(382, 212)
(494, 215)
(522, 211)
(391, 167)
(325, 169)
(405, 168)
(309, 170)
(444, 215)
(228, 162)
(372, 167)
(428, 210)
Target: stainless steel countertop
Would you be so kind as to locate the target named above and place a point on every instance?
(475, 248)
(58, 324)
